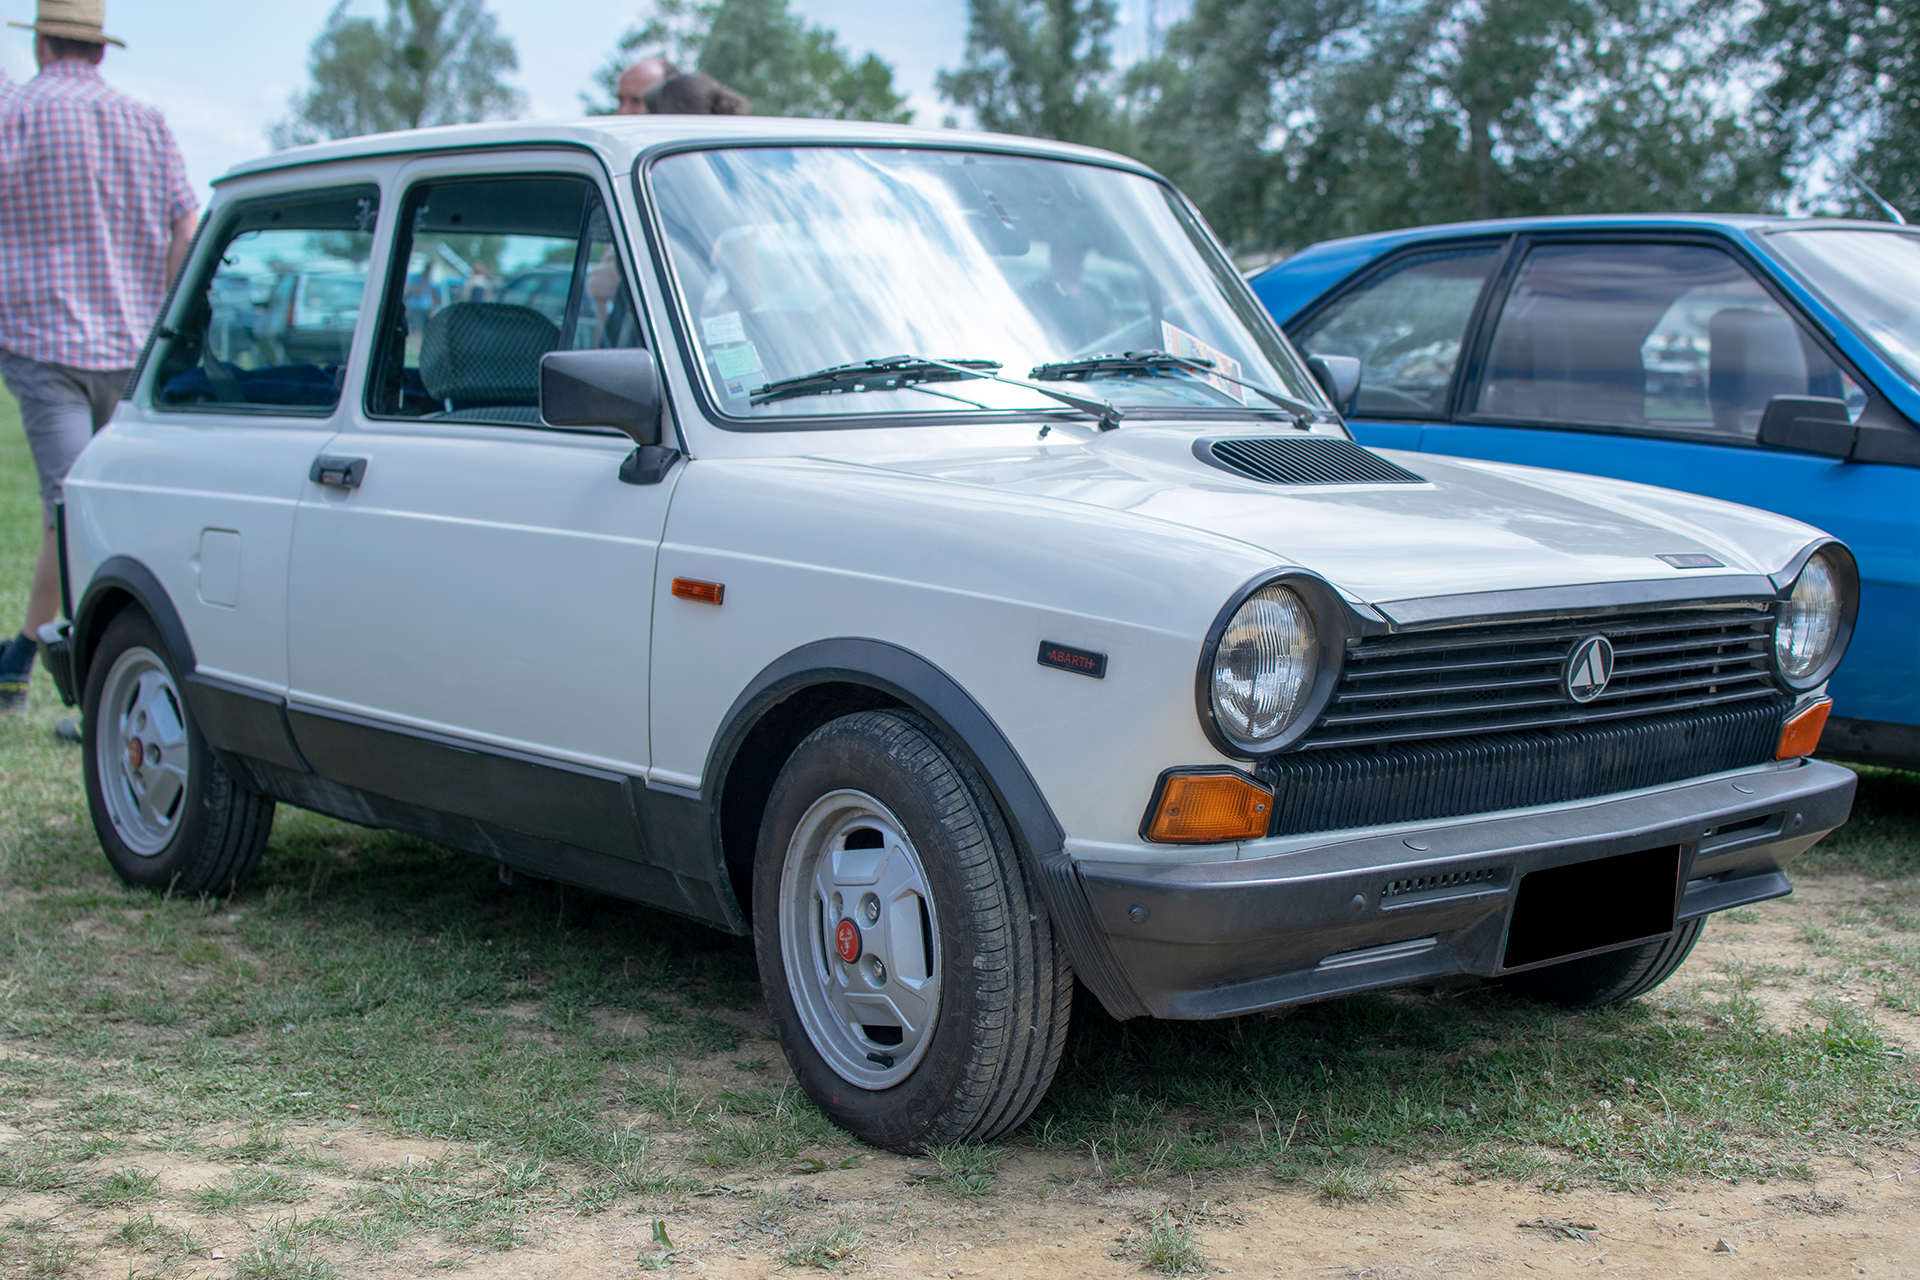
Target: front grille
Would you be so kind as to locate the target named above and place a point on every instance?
(1490, 679)
(1417, 781)
(1308, 460)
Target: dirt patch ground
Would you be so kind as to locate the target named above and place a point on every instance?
(1042, 1213)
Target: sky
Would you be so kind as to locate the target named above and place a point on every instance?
(222, 70)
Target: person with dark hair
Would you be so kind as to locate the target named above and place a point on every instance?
(630, 93)
(695, 95)
(96, 214)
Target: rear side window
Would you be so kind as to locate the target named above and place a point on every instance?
(268, 322)
(1405, 326)
(1649, 335)
(488, 276)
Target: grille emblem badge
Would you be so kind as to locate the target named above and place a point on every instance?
(1589, 669)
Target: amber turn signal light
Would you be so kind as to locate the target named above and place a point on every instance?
(1801, 733)
(1207, 808)
(704, 592)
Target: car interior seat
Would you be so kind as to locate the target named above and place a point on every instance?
(482, 360)
(1752, 356)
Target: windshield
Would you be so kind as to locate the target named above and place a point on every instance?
(792, 260)
(1871, 277)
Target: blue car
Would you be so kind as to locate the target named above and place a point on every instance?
(1768, 361)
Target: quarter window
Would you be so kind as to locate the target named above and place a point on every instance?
(1665, 336)
(1405, 327)
(487, 277)
(269, 321)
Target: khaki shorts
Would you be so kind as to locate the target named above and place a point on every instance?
(60, 407)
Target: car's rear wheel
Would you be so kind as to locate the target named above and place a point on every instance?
(913, 979)
(167, 814)
(1611, 977)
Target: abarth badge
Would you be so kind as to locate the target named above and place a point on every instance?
(1589, 669)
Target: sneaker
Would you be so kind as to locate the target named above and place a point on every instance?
(67, 731)
(13, 694)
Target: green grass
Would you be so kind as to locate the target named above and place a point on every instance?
(553, 1052)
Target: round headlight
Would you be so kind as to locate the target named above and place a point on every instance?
(1264, 666)
(1810, 621)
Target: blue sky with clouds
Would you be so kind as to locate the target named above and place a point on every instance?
(222, 70)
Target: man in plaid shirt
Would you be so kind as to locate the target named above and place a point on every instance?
(95, 217)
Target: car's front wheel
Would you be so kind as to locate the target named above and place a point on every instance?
(1612, 977)
(167, 814)
(913, 978)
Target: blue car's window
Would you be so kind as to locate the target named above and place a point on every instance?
(1871, 277)
(1405, 327)
(1668, 336)
(267, 325)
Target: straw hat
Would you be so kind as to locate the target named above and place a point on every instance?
(71, 20)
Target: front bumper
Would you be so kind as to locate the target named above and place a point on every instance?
(56, 655)
(1216, 939)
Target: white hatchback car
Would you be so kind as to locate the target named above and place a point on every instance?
(919, 550)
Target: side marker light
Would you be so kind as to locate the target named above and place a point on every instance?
(1208, 808)
(704, 592)
(1801, 733)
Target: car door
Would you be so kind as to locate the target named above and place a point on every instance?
(1650, 358)
(208, 460)
(469, 590)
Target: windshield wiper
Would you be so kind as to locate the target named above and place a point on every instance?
(1153, 361)
(905, 373)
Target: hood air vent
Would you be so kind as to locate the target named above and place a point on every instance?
(1306, 460)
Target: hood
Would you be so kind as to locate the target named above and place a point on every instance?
(1465, 528)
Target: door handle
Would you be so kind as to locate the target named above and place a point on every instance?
(337, 473)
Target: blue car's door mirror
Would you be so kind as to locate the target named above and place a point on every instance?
(1808, 424)
(1339, 377)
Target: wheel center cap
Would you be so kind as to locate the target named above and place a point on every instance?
(136, 754)
(846, 940)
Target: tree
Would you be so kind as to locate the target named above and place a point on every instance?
(762, 49)
(430, 62)
(1419, 111)
(1042, 68)
(1847, 77)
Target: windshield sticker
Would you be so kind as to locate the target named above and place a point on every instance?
(1179, 342)
(722, 330)
(738, 366)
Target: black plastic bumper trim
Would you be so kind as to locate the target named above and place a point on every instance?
(56, 655)
(1216, 939)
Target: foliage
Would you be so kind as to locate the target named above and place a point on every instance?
(1041, 68)
(764, 50)
(1420, 111)
(1847, 73)
(430, 62)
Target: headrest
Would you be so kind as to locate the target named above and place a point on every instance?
(1752, 356)
(485, 353)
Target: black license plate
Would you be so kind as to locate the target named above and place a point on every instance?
(1589, 906)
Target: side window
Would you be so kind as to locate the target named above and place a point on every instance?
(268, 322)
(1405, 326)
(488, 275)
(1667, 336)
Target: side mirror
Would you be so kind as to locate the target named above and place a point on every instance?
(619, 389)
(1339, 377)
(1808, 424)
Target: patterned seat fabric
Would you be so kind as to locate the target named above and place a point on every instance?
(485, 353)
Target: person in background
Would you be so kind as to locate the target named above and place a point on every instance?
(695, 95)
(636, 80)
(96, 215)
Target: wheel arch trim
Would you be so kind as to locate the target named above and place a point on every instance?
(921, 686)
(117, 576)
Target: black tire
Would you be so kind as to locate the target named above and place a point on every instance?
(999, 991)
(1613, 977)
(195, 830)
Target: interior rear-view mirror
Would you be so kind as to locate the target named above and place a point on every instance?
(1808, 424)
(619, 389)
(1339, 377)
